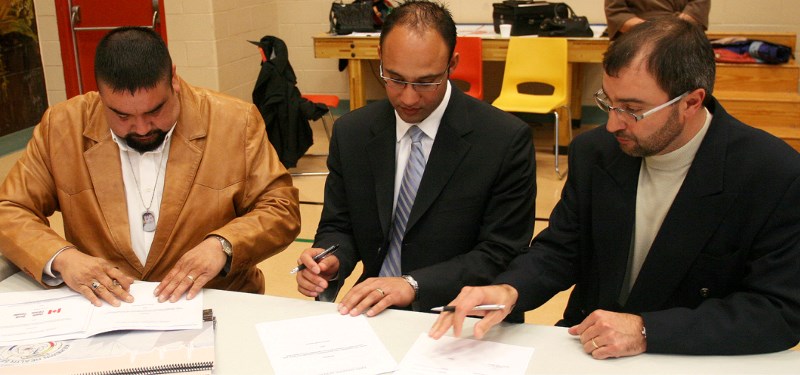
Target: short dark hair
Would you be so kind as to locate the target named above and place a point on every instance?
(132, 58)
(676, 52)
(421, 15)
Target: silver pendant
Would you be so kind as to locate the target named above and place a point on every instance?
(148, 221)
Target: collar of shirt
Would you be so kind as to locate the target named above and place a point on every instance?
(430, 125)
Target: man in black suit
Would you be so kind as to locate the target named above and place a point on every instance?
(474, 207)
(678, 225)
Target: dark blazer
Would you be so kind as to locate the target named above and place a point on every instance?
(723, 273)
(473, 212)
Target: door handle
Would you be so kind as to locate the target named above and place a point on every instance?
(75, 18)
(75, 15)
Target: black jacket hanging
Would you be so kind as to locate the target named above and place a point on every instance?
(285, 112)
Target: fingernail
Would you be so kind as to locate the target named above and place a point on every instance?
(129, 299)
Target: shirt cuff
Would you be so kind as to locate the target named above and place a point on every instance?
(49, 277)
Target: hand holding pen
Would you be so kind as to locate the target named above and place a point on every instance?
(311, 282)
(316, 258)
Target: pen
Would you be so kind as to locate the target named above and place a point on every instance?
(476, 308)
(317, 258)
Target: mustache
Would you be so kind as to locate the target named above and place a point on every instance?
(148, 134)
(621, 134)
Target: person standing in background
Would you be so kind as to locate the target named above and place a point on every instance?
(622, 15)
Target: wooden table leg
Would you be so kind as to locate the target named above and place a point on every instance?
(576, 96)
(564, 126)
(355, 70)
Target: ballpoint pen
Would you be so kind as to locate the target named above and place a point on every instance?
(476, 308)
(317, 258)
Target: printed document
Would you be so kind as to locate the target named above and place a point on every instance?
(325, 344)
(62, 314)
(450, 355)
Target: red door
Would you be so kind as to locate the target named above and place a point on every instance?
(81, 25)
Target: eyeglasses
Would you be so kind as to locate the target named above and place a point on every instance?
(602, 101)
(397, 84)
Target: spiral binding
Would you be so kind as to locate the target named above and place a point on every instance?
(157, 370)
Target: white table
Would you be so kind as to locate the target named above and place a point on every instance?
(239, 350)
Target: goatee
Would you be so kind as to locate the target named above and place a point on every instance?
(134, 141)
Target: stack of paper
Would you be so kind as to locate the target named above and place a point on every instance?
(325, 344)
(62, 314)
(118, 353)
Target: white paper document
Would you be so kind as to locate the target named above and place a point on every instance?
(62, 314)
(450, 355)
(325, 344)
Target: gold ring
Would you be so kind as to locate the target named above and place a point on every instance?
(95, 284)
(595, 344)
(379, 290)
(190, 277)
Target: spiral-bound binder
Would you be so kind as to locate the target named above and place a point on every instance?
(118, 353)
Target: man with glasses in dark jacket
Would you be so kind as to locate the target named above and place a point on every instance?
(678, 224)
(431, 189)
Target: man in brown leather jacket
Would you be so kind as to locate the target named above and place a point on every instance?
(156, 180)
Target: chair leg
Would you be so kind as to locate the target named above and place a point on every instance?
(556, 132)
(328, 128)
(555, 143)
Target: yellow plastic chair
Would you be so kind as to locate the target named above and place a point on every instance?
(536, 60)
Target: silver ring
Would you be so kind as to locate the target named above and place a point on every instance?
(115, 282)
(595, 344)
(190, 277)
(95, 284)
(379, 290)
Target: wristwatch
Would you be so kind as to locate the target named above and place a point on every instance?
(226, 246)
(414, 285)
(228, 250)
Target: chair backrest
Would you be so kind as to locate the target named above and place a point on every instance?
(542, 60)
(470, 65)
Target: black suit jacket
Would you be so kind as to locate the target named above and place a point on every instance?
(723, 273)
(473, 212)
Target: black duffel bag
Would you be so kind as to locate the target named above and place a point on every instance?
(350, 18)
(525, 17)
(571, 26)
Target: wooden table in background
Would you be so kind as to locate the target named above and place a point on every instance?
(359, 49)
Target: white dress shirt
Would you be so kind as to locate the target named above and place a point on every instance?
(429, 126)
(149, 169)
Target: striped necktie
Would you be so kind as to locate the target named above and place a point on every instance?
(405, 200)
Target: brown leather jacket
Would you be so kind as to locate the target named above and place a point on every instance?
(223, 178)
